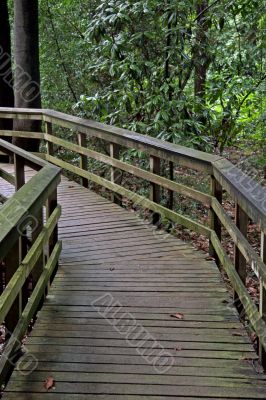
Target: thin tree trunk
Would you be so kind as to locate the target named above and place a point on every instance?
(27, 70)
(201, 52)
(6, 89)
(167, 76)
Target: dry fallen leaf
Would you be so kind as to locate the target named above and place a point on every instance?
(177, 316)
(49, 383)
(247, 359)
(112, 268)
(178, 348)
(253, 337)
(237, 334)
(210, 258)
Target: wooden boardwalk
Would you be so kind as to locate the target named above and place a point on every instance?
(170, 331)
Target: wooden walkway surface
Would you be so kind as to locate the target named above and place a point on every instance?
(136, 349)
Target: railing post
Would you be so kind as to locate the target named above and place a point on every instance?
(262, 351)
(37, 226)
(82, 141)
(12, 264)
(50, 207)
(241, 221)
(170, 202)
(115, 173)
(155, 190)
(49, 131)
(215, 224)
(19, 165)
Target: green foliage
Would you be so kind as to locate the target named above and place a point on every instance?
(186, 71)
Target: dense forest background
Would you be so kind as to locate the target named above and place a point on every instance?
(191, 72)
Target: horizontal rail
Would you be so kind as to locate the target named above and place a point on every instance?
(27, 201)
(12, 346)
(191, 158)
(248, 193)
(159, 180)
(251, 309)
(16, 283)
(134, 197)
(165, 150)
(241, 242)
(21, 227)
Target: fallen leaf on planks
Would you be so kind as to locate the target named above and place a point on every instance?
(177, 316)
(49, 383)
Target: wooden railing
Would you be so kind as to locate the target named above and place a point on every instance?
(249, 197)
(29, 248)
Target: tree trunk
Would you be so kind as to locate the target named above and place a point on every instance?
(201, 53)
(6, 88)
(27, 70)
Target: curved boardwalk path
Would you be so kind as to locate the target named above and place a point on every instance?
(135, 349)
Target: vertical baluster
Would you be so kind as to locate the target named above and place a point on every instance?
(19, 164)
(155, 190)
(50, 207)
(37, 226)
(12, 264)
(14, 256)
(217, 192)
(116, 174)
(170, 202)
(50, 145)
(262, 352)
(82, 141)
(241, 220)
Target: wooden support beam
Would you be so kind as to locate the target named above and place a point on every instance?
(19, 164)
(12, 264)
(215, 224)
(50, 207)
(262, 350)
(170, 202)
(155, 190)
(83, 164)
(37, 226)
(241, 221)
(49, 131)
(116, 175)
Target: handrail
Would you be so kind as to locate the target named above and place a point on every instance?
(19, 214)
(249, 196)
(219, 167)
